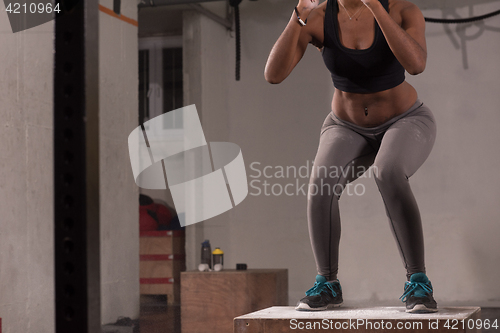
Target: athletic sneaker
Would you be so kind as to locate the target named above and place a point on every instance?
(324, 295)
(418, 295)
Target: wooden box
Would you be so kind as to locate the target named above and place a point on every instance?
(211, 300)
(162, 242)
(162, 258)
(279, 319)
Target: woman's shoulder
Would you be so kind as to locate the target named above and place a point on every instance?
(318, 14)
(402, 5)
(314, 27)
(401, 8)
(319, 11)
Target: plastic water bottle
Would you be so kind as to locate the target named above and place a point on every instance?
(206, 253)
(218, 259)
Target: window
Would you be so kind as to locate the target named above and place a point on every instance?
(160, 79)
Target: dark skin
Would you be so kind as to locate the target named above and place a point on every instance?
(404, 29)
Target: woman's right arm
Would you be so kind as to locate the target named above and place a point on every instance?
(291, 45)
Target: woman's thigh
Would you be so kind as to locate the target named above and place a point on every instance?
(343, 155)
(406, 144)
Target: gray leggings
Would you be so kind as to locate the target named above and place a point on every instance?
(396, 149)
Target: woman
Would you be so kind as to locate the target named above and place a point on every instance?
(376, 119)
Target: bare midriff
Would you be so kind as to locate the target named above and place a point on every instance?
(373, 109)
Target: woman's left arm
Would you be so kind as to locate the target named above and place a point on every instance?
(407, 41)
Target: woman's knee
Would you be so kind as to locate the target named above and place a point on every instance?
(321, 189)
(388, 174)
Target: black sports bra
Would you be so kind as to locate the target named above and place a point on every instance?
(359, 71)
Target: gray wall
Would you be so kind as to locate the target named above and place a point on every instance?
(118, 98)
(278, 125)
(26, 194)
(26, 167)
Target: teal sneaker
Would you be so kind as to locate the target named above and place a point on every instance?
(418, 295)
(324, 295)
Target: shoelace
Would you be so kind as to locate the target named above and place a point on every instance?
(319, 287)
(411, 286)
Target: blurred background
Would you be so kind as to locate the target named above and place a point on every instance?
(157, 56)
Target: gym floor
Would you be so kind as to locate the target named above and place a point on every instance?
(157, 317)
